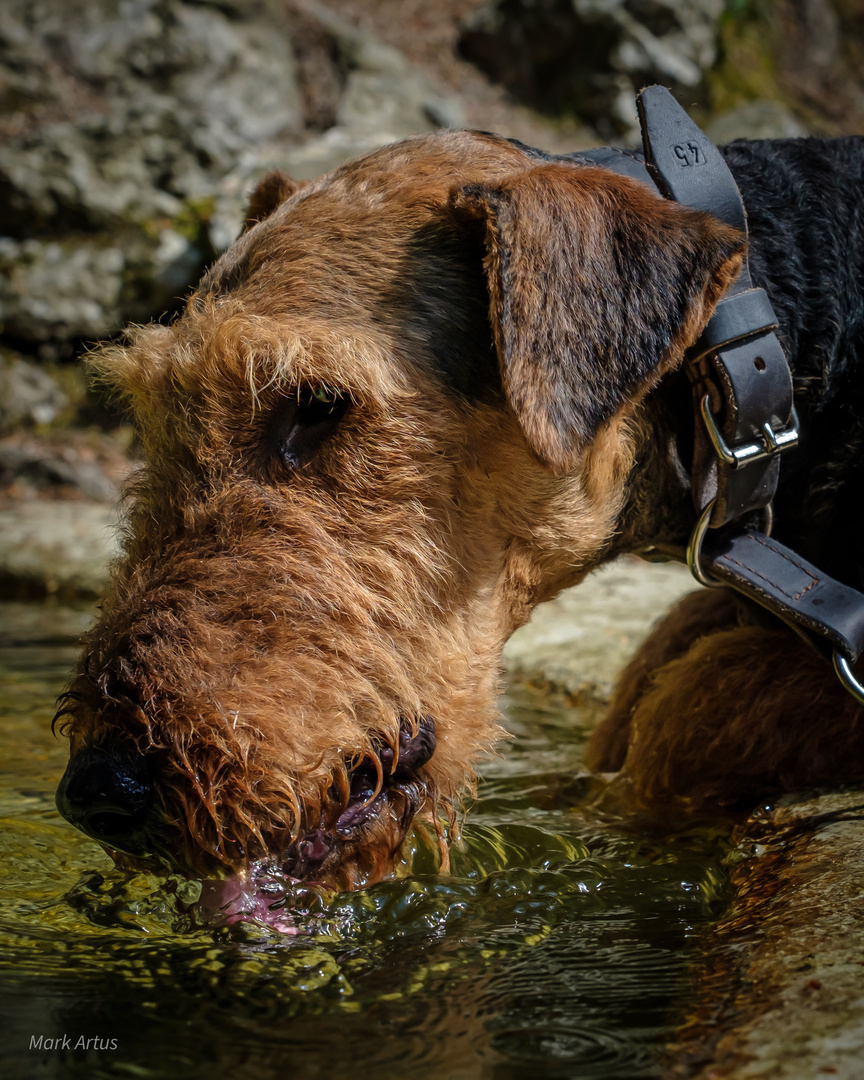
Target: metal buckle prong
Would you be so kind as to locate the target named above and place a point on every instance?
(773, 442)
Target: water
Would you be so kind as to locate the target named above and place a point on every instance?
(555, 948)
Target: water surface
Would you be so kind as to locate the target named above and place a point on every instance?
(556, 947)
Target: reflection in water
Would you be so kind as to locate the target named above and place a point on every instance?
(554, 948)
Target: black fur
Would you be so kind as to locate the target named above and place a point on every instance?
(805, 207)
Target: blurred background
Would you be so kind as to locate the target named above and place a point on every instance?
(130, 133)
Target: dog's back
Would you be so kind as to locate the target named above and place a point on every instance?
(805, 208)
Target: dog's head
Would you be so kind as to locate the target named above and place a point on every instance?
(393, 418)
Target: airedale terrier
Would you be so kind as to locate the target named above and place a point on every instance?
(418, 397)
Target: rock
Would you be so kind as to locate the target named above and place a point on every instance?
(778, 993)
(154, 100)
(56, 548)
(355, 49)
(46, 472)
(129, 139)
(116, 124)
(382, 94)
(755, 120)
(578, 642)
(28, 394)
(380, 100)
(395, 105)
(60, 289)
(591, 58)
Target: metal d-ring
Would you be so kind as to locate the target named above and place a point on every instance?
(844, 674)
(694, 549)
(694, 546)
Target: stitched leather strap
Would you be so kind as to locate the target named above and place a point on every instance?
(738, 363)
(619, 161)
(830, 614)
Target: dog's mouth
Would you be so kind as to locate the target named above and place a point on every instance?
(354, 841)
(348, 849)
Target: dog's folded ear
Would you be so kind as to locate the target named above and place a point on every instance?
(269, 193)
(597, 286)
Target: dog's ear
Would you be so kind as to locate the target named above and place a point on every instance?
(596, 286)
(269, 193)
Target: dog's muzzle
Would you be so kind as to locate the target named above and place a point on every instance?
(107, 795)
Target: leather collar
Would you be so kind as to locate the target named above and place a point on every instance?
(745, 419)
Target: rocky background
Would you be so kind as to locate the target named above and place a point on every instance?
(130, 133)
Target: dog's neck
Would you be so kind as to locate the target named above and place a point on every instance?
(657, 517)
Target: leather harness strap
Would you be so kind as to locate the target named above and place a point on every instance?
(743, 400)
(789, 586)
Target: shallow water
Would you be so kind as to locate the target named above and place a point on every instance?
(556, 947)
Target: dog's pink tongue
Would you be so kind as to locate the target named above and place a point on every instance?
(232, 900)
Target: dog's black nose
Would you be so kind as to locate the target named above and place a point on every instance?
(107, 794)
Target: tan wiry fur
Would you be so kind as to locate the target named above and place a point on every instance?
(271, 626)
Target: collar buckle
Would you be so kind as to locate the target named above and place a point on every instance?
(740, 360)
(773, 442)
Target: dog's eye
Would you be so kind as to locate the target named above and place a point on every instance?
(317, 403)
(304, 419)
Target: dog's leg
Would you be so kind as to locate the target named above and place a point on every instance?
(743, 712)
(699, 613)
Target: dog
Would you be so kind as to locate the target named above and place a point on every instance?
(418, 397)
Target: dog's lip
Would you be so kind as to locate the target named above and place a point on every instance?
(270, 891)
(326, 846)
(262, 892)
(388, 782)
(397, 770)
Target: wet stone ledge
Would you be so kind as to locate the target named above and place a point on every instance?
(779, 989)
(577, 643)
(778, 982)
